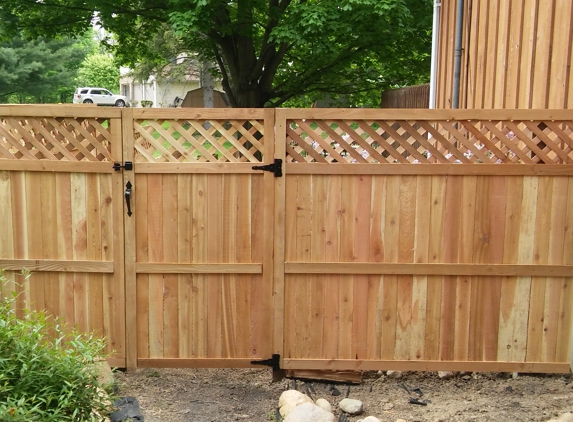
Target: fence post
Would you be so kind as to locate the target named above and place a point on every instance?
(279, 130)
(130, 247)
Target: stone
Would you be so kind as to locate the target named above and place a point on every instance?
(290, 399)
(388, 406)
(324, 404)
(394, 374)
(371, 419)
(401, 420)
(446, 375)
(565, 417)
(309, 412)
(128, 410)
(351, 406)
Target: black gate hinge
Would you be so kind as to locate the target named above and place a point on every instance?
(276, 167)
(127, 166)
(274, 362)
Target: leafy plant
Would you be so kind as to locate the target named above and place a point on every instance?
(48, 373)
(146, 103)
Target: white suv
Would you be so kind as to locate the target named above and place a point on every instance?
(99, 96)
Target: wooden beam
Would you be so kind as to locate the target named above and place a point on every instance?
(421, 365)
(427, 114)
(432, 169)
(197, 363)
(429, 269)
(182, 168)
(227, 268)
(51, 110)
(37, 265)
(57, 166)
(199, 113)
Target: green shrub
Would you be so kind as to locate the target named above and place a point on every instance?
(146, 103)
(47, 373)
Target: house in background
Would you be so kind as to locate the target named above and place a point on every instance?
(514, 54)
(162, 93)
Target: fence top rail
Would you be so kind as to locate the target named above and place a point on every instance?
(425, 114)
(199, 113)
(51, 110)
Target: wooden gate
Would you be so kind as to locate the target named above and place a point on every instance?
(427, 240)
(61, 214)
(199, 254)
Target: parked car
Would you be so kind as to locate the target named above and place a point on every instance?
(99, 96)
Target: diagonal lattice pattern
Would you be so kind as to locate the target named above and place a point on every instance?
(55, 139)
(464, 141)
(200, 141)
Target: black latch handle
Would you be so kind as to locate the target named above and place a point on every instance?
(128, 187)
(276, 167)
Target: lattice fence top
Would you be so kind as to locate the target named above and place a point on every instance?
(173, 140)
(423, 141)
(55, 139)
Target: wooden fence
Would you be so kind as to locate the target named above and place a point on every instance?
(392, 239)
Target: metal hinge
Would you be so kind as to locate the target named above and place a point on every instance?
(274, 362)
(127, 166)
(276, 167)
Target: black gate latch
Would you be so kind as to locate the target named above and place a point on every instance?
(274, 362)
(127, 166)
(276, 167)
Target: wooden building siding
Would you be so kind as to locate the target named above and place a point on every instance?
(516, 54)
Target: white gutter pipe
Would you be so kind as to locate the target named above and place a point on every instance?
(434, 58)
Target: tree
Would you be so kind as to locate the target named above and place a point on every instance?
(99, 70)
(267, 51)
(40, 70)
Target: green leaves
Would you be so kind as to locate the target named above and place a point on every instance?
(43, 379)
(268, 52)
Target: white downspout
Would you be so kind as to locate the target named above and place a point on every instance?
(155, 93)
(434, 58)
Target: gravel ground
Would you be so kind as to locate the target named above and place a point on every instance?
(209, 395)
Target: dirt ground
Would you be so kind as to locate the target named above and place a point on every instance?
(206, 395)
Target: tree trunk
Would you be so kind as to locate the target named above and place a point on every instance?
(207, 85)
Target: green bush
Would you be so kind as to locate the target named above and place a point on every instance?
(47, 373)
(146, 103)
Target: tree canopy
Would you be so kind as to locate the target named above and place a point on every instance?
(267, 51)
(41, 70)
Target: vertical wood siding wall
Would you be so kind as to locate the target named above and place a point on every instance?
(517, 54)
(416, 240)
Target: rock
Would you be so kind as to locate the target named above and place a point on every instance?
(446, 375)
(401, 420)
(324, 404)
(388, 406)
(291, 399)
(394, 374)
(351, 406)
(371, 419)
(309, 412)
(128, 410)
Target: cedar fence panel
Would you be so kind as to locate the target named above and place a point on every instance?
(61, 215)
(396, 239)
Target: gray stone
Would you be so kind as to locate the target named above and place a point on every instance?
(351, 406)
(446, 375)
(291, 399)
(324, 404)
(394, 374)
(308, 412)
